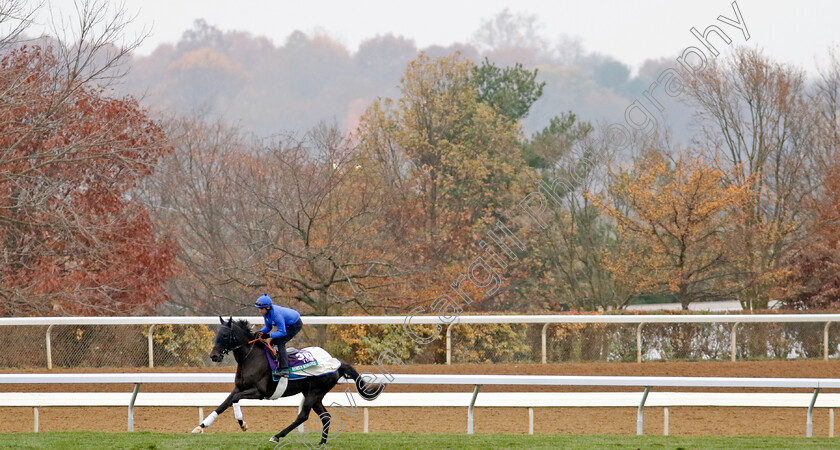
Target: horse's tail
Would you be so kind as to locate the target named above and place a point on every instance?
(368, 391)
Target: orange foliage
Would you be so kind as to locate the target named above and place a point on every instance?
(672, 219)
(73, 240)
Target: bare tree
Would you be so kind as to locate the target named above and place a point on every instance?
(195, 198)
(754, 116)
(300, 218)
(322, 215)
(94, 46)
(826, 99)
(15, 17)
(507, 30)
(512, 37)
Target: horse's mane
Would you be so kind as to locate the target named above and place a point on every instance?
(243, 325)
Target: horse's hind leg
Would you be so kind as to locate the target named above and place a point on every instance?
(325, 417)
(308, 403)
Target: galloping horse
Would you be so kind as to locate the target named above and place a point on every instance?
(254, 381)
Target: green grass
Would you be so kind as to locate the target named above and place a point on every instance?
(148, 440)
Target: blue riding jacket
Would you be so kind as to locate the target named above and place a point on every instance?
(279, 317)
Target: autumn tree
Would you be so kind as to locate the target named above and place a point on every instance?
(74, 241)
(568, 264)
(673, 216)
(811, 279)
(450, 154)
(810, 276)
(755, 115)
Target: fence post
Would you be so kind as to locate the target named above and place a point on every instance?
(825, 341)
(471, 408)
(640, 415)
(449, 344)
(544, 343)
(131, 407)
(639, 342)
(531, 420)
(665, 421)
(734, 339)
(366, 420)
(49, 347)
(809, 426)
(151, 347)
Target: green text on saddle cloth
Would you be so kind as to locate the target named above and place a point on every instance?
(304, 366)
(302, 360)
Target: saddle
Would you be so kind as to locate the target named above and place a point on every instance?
(289, 351)
(297, 359)
(306, 362)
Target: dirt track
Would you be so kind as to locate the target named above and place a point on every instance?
(683, 420)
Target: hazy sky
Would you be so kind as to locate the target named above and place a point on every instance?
(631, 31)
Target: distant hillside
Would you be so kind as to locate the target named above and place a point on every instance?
(269, 89)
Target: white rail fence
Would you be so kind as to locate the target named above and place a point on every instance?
(520, 399)
(545, 320)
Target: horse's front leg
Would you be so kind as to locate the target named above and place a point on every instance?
(237, 411)
(212, 417)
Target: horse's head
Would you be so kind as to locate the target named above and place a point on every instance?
(225, 340)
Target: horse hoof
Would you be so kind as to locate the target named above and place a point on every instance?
(244, 426)
(198, 430)
(274, 439)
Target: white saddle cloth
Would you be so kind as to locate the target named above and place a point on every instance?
(316, 361)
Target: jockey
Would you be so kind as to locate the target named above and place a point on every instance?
(288, 324)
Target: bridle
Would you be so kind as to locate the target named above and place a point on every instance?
(231, 341)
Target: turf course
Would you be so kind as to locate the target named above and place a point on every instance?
(148, 440)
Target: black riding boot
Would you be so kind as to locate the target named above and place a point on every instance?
(282, 362)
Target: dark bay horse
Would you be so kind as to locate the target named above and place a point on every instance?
(254, 381)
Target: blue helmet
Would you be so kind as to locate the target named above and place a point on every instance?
(263, 302)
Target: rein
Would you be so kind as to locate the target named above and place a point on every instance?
(231, 337)
(268, 346)
(230, 342)
(229, 347)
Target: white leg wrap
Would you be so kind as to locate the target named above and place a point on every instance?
(209, 420)
(237, 411)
